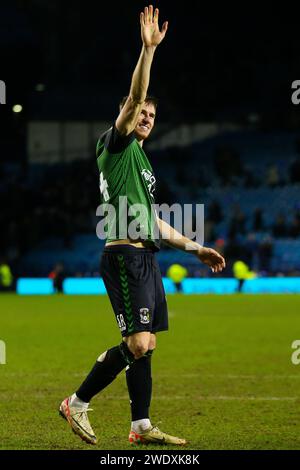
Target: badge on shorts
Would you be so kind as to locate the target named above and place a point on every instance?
(144, 316)
(121, 322)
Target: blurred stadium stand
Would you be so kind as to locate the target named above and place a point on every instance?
(227, 137)
(248, 213)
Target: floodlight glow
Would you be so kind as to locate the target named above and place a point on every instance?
(17, 108)
(40, 87)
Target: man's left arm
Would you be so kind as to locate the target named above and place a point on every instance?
(173, 238)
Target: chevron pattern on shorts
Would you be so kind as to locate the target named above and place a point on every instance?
(125, 293)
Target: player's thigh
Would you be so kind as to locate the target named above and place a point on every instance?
(130, 283)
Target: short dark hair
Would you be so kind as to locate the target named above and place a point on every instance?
(149, 99)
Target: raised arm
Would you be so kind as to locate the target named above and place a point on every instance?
(173, 238)
(151, 37)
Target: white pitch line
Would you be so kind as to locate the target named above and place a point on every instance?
(162, 375)
(178, 397)
(250, 398)
(211, 398)
(231, 376)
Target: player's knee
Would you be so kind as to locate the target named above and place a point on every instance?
(152, 342)
(138, 349)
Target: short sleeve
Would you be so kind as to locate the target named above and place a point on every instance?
(114, 142)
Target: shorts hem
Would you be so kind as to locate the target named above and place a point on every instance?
(134, 332)
(144, 331)
(159, 329)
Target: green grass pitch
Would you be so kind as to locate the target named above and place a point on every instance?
(222, 374)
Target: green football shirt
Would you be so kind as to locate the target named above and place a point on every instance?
(127, 186)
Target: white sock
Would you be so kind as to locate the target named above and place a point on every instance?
(75, 402)
(140, 425)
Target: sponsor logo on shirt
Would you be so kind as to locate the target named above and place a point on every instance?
(150, 179)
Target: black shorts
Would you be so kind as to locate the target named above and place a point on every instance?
(134, 285)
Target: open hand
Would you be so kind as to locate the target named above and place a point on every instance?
(212, 258)
(151, 35)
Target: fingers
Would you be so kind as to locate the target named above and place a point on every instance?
(142, 19)
(148, 15)
(164, 27)
(220, 263)
(218, 267)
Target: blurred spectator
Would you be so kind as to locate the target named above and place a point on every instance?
(272, 177)
(241, 272)
(232, 250)
(250, 181)
(294, 230)
(209, 231)
(265, 251)
(58, 276)
(294, 171)
(220, 246)
(279, 229)
(177, 273)
(6, 277)
(215, 212)
(227, 164)
(58, 203)
(258, 224)
(237, 222)
(250, 248)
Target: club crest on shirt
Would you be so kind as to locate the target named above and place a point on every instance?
(144, 315)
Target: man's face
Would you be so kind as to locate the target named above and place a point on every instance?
(145, 121)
